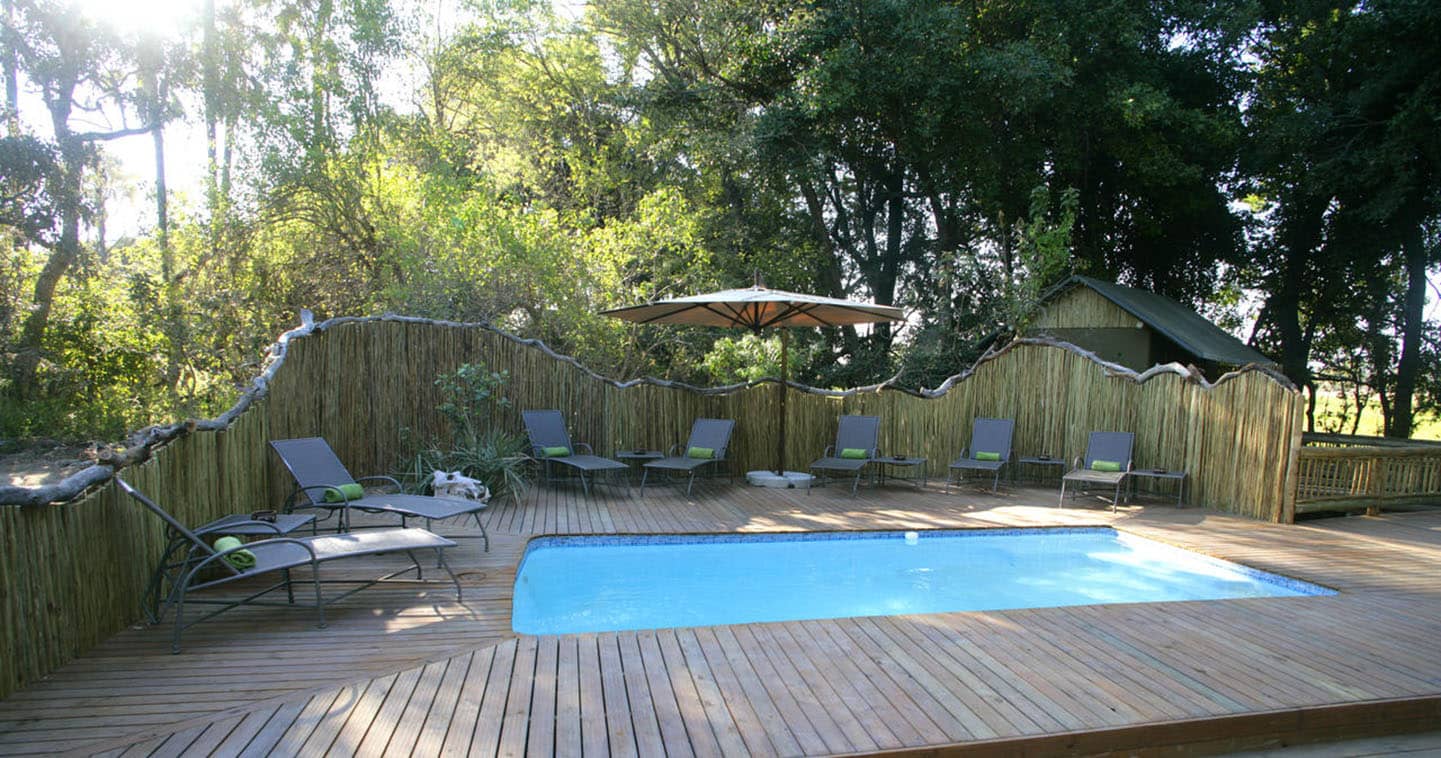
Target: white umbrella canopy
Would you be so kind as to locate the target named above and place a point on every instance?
(757, 308)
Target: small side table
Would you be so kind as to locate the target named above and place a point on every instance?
(1159, 473)
(1043, 461)
(637, 458)
(918, 478)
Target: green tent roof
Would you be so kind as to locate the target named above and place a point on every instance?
(1178, 323)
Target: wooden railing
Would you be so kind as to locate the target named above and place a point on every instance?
(1367, 477)
(1316, 439)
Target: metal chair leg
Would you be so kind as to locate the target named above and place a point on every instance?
(485, 535)
(440, 558)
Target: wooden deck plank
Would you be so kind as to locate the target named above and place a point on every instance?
(431, 739)
(459, 725)
(756, 716)
(645, 714)
(693, 712)
(907, 662)
(246, 730)
(722, 719)
(179, 742)
(263, 741)
(853, 718)
(784, 684)
(490, 716)
(569, 717)
(358, 719)
(541, 738)
(676, 731)
(402, 670)
(620, 717)
(910, 724)
(384, 720)
(402, 728)
(589, 694)
(993, 702)
(324, 730)
(515, 718)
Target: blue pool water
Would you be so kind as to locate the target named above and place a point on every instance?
(568, 585)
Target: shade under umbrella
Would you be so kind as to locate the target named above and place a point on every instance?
(757, 308)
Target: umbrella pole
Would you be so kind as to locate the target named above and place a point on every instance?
(781, 439)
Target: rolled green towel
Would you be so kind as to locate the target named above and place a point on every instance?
(700, 452)
(555, 451)
(241, 559)
(982, 455)
(854, 452)
(344, 493)
(1099, 465)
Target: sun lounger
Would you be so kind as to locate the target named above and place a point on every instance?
(179, 550)
(990, 450)
(551, 444)
(206, 567)
(709, 438)
(856, 446)
(1107, 462)
(322, 481)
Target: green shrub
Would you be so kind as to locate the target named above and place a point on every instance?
(473, 403)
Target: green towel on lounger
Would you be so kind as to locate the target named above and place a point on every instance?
(241, 559)
(344, 493)
(858, 453)
(555, 451)
(1105, 466)
(985, 456)
(700, 452)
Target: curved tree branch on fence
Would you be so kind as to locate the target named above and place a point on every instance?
(139, 446)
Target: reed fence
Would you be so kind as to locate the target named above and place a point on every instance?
(71, 573)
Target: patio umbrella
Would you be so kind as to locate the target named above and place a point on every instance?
(757, 308)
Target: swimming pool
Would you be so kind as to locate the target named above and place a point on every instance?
(568, 585)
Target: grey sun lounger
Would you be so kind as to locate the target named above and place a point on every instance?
(1108, 447)
(852, 433)
(205, 567)
(990, 450)
(709, 438)
(546, 430)
(318, 472)
(179, 549)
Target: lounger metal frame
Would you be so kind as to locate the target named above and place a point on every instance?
(203, 558)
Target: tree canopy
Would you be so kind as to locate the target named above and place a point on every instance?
(1273, 161)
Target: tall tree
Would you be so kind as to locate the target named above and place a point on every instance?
(68, 59)
(1344, 149)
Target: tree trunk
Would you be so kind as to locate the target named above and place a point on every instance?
(1413, 327)
(11, 66)
(1300, 238)
(62, 257)
(210, 96)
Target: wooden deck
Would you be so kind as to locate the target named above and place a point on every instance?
(407, 670)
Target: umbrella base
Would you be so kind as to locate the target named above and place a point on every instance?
(788, 480)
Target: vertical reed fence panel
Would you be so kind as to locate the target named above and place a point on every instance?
(72, 574)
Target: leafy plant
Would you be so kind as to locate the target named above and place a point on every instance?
(472, 402)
